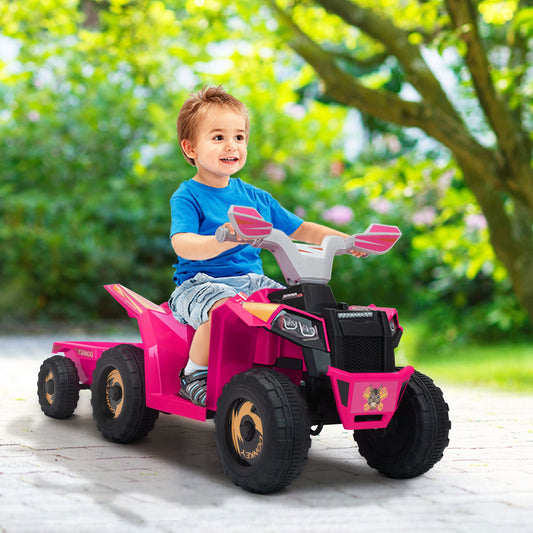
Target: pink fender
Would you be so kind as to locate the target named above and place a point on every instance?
(166, 350)
(85, 354)
(240, 339)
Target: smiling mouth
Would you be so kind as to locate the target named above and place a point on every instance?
(229, 159)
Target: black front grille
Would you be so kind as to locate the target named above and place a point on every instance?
(363, 354)
(360, 341)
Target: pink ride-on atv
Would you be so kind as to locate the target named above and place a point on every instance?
(281, 363)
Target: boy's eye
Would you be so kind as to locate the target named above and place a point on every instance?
(219, 138)
(239, 137)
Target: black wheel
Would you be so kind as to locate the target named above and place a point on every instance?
(415, 439)
(117, 395)
(262, 430)
(58, 387)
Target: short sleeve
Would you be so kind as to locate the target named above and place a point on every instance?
(184, 216)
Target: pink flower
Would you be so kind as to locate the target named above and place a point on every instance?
(300, 212)
(425, 216)
(336, 168)
(475, 222)
(381, 206)
(338, 214)
(445, 180)
(393, 143)
(296, 111)
(275, 172)
(34, 116)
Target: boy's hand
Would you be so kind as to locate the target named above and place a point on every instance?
(356, 253)
(232, 231)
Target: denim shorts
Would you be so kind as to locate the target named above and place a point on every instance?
(191, 301)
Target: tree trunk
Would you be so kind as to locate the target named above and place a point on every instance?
(510, 229)
(501, 177)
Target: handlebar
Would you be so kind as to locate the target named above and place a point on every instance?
(223, 234)
(303, 262)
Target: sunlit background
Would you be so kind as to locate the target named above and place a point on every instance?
(350, 105)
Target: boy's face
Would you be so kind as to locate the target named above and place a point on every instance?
(220, 147)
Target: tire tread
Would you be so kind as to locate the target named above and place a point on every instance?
(141, 420)
(431, 439)
(67, 387)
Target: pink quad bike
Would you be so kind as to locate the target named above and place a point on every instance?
(282, 364)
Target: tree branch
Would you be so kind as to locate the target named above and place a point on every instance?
(514, 144)
(346, 90)
(365, 64)
(396, 41)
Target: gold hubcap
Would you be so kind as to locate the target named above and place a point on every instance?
(49, 387)
(114, 393)
(246, 431)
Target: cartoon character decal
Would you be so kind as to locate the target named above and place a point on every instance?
(374, 397)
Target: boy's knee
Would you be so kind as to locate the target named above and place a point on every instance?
(218, 303)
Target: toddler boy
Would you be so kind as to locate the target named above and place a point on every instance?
(213, 129)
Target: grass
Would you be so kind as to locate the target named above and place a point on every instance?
(505, 365)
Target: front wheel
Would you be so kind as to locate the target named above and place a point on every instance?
(117, 395)
(262, 430)
(415, 439)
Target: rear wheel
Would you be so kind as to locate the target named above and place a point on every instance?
(118, 397)
(58, 387)
(262, 430)
(416, 437)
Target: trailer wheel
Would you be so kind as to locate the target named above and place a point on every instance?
(58, 387)
(117, 395)
(415, 439)
(262, 430)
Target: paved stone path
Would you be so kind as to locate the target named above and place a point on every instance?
(62, 476)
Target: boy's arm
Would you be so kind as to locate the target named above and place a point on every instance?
(313, 233)
(196, 247)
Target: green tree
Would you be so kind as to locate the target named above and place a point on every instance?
(88, 142)
(90, 158)
(486, 125)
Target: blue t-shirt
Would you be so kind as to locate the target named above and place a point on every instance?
(198, 208)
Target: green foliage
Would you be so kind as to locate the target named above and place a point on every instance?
(449, 272)
(79, 207)
(505, 364)
(90, 159)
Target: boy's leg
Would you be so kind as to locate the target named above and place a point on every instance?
(193, 378)
(192, 303)
(199, 350)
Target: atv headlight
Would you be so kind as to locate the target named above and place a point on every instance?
(393, 325)
(296, 325)
(299, 328)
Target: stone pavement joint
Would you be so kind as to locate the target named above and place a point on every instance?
(61, 475)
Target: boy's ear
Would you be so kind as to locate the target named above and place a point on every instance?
(188, 148)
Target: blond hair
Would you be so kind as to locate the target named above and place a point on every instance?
(197, 105)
